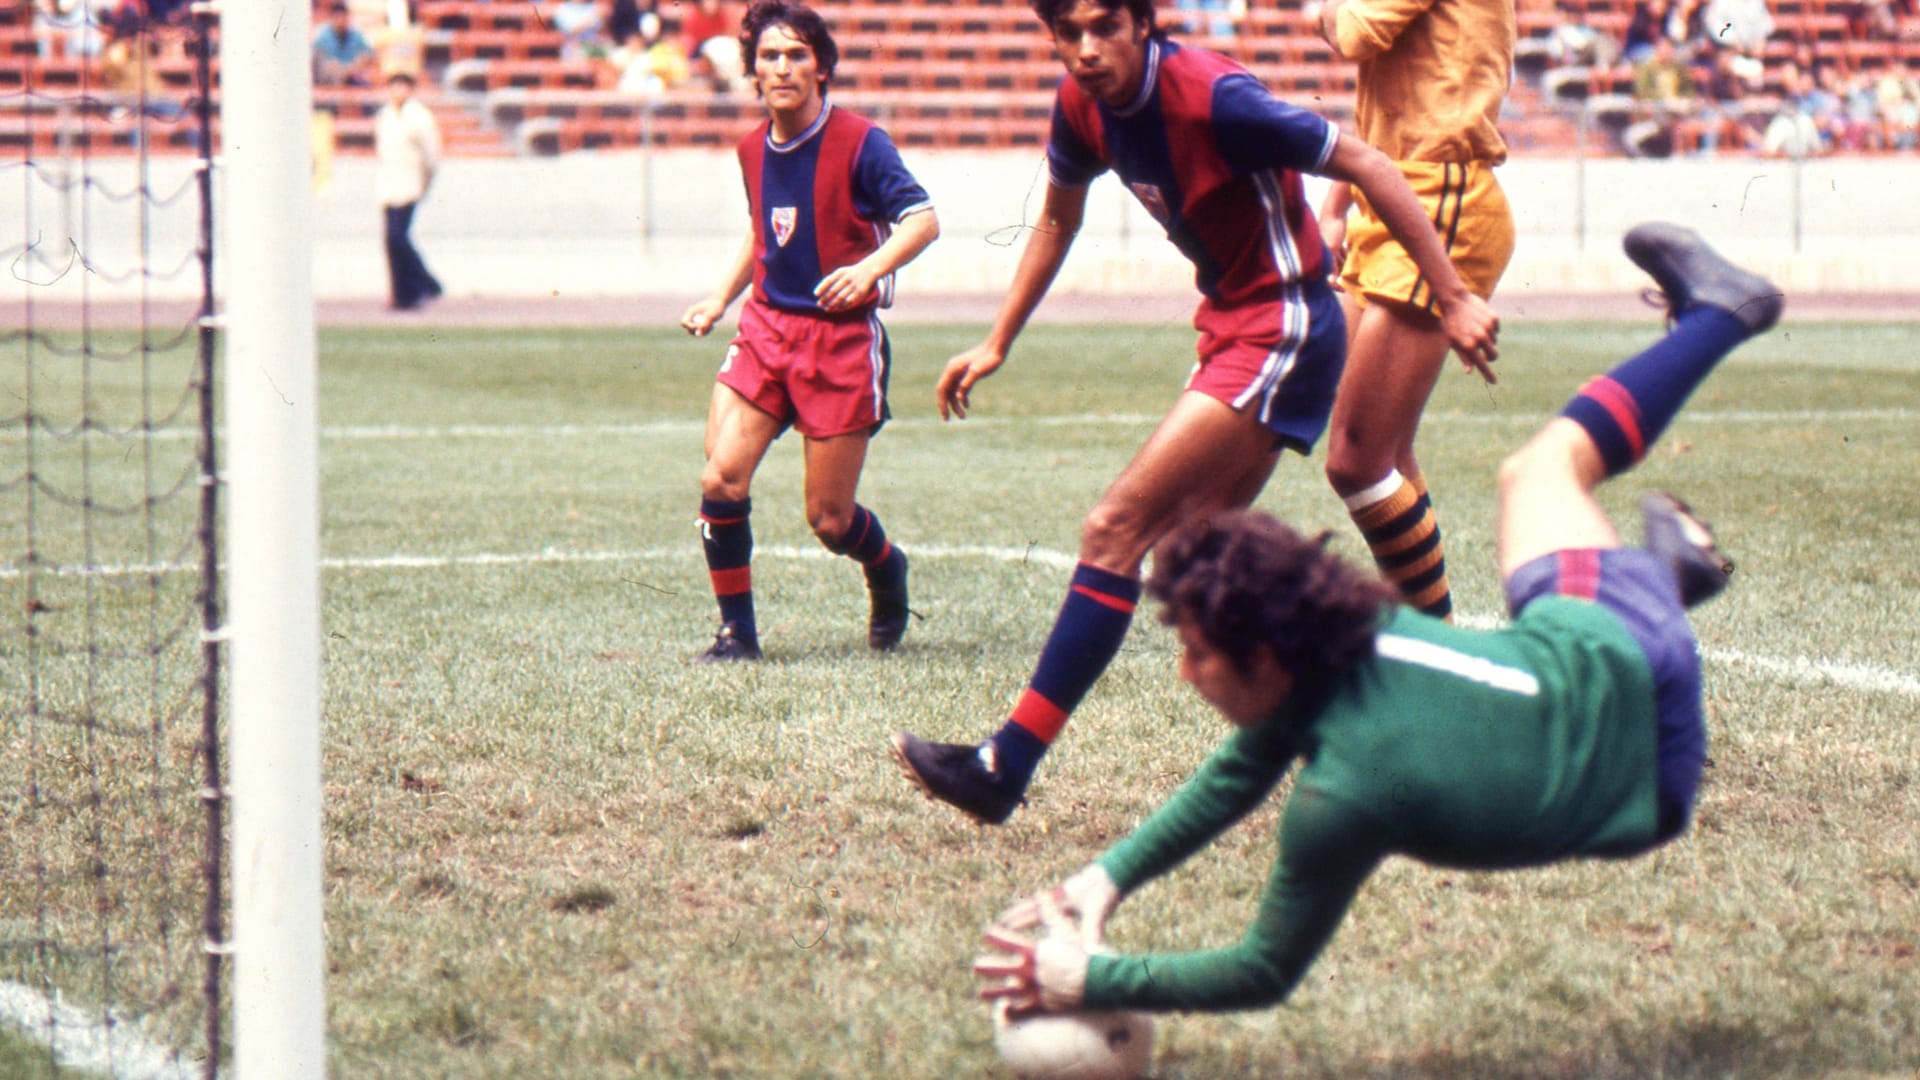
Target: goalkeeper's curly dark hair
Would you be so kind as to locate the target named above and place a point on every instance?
(1246, 580)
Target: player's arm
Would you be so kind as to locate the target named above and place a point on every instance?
(1469, 322)
(701, 317)
(1333, 218)
(1363, 29)
(1040, 261)
(1326, 852)
(850, 286)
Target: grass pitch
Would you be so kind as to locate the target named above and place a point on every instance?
(558, 848)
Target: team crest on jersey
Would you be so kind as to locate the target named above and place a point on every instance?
(1150, 197)
(784, 219)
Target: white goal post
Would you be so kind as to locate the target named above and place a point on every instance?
(271, 478)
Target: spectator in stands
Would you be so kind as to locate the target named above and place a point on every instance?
(342, 56)
(1686, 21)
(71, 27)
(1794, 130)
(406, 142)
(1647, 24)
(1724, 93)
(1899, 111)
(649, 62)
(1212, 18)
(623, 20)
(1663, 92)
(1854, 124)
(707, 32)
(580, 23)
(1574, 42)
(401, 44)
(1742, 25)
(1872, 20)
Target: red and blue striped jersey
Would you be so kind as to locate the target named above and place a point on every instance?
(824, 200)
(1216, 159)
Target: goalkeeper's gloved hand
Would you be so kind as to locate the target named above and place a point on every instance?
(1089, 895)
(1048, 974)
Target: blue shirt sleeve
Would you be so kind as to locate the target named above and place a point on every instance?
(883, 189)
(1257, 131)
(1070, 161)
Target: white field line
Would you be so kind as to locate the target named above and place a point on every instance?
(401, 432)
(1867, 678)
(107, 1046)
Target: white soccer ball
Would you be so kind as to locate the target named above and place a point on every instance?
(1074, 1046)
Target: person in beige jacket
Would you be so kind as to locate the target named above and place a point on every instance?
(1432, 76)
(406, 143)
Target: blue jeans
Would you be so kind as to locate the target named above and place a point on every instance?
(411, 281)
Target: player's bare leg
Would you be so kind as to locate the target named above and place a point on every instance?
(1546, 497)
(847, 528)
(737, 438)
(1394, 358)
(1203, 458)
(1546, 500)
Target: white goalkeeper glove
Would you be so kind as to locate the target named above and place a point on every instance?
(1089, 896)
(1048, 975)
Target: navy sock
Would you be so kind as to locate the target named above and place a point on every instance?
(1627, 409)
(1086, 636)
(726, 534)
(866, 543)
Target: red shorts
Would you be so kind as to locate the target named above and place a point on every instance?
(824, 376)
(1282, 360)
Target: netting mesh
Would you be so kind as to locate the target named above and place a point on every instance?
(110, 813)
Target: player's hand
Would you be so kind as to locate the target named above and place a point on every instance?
(956, 383)
(1046, 975)
(1090, 896)
(701, 317)
(1474, 330)
(845, 288)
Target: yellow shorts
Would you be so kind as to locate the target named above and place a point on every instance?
(1475, 222)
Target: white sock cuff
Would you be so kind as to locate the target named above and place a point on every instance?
(1386, 486)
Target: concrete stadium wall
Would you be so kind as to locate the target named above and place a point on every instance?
(630, 224)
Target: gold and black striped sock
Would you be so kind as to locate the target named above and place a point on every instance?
(1396, 518)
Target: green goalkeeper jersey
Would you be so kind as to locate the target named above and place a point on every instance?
(1461, 748)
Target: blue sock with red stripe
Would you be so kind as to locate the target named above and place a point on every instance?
(1093, 622)
(866, 543)
(1626, 409)
(726, 533)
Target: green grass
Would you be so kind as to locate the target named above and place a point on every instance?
(557, 848)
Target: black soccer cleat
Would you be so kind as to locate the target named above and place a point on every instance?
(1690, 273)
(957, 774)
(1685, 544)
(888, 615)
(730, 645)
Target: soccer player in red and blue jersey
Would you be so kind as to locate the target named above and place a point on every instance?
(835, 213)
(1574, 732)
(1218, 161)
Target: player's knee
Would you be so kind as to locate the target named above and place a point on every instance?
(1348, 470)
(829, 523)
(723, 484)
(1114, 534)
(1520, 468)
(1357, 459)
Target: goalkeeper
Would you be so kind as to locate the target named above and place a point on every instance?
(1575, 731)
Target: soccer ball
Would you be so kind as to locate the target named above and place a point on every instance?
(1074, 1046)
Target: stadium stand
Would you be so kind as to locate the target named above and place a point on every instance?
(974, 74)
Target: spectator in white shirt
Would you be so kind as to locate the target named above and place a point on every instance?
(406, 143)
